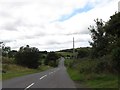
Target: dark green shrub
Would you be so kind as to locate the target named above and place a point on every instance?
(51, 59)
(28, 57)
(116, 58)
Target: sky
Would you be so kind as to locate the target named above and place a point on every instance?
(51, 24)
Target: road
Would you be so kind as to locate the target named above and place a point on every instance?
(53, 78)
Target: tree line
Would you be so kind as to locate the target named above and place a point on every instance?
(29, 57)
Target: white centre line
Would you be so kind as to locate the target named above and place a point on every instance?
(50, 73)
(43, 77)
(29, 86)
(54, 71)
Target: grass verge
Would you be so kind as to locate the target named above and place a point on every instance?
(90, 79)
(94, 80)
(17, 71)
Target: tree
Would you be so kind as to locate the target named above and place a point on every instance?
(113, 32)
(98, 35)
(51, 59)
(5, 50)
(28, 56)
(83, 52)
(12, 54)
(116, 59)
(106, 40)
(113, 25)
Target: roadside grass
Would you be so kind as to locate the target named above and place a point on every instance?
(13, 70)
(74, 74)
(90, 79)
(94, 80)
(103, 81)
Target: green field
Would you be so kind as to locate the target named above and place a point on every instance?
(65, 54)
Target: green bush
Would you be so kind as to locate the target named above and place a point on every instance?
(83, 53)
(69, 63)
(6, 60)
(100, 65)
(28, 57)
(116, 58)
(51, 59)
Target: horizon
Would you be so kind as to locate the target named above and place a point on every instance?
(51, 51)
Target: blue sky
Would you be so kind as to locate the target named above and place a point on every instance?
(76, 11)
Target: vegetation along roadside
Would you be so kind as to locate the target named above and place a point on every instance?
(98, 66)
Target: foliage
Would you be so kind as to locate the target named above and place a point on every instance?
(43, 52)
(116, 59)
(69, 63)
(27, 56)
(6, 60)
(51, 59)
(65, 54)
(106, 40)
(66, 50)
(113, 25)
(83, 52)
(12, 53)
(91, 73)
(98, 35)
(103, 68)
(113, 30)
(5, 50)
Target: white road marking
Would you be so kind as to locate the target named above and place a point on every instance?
(29, 86)
(43, 77)
(50, 73)
(54, 71)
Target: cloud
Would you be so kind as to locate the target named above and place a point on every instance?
(50, 24)
(8, 41)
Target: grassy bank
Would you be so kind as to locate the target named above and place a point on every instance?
(13, 70)
(94, 80)
(90, 79)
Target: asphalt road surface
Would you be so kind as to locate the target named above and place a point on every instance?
(53, 78)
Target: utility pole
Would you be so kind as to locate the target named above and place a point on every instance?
(73, 49)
